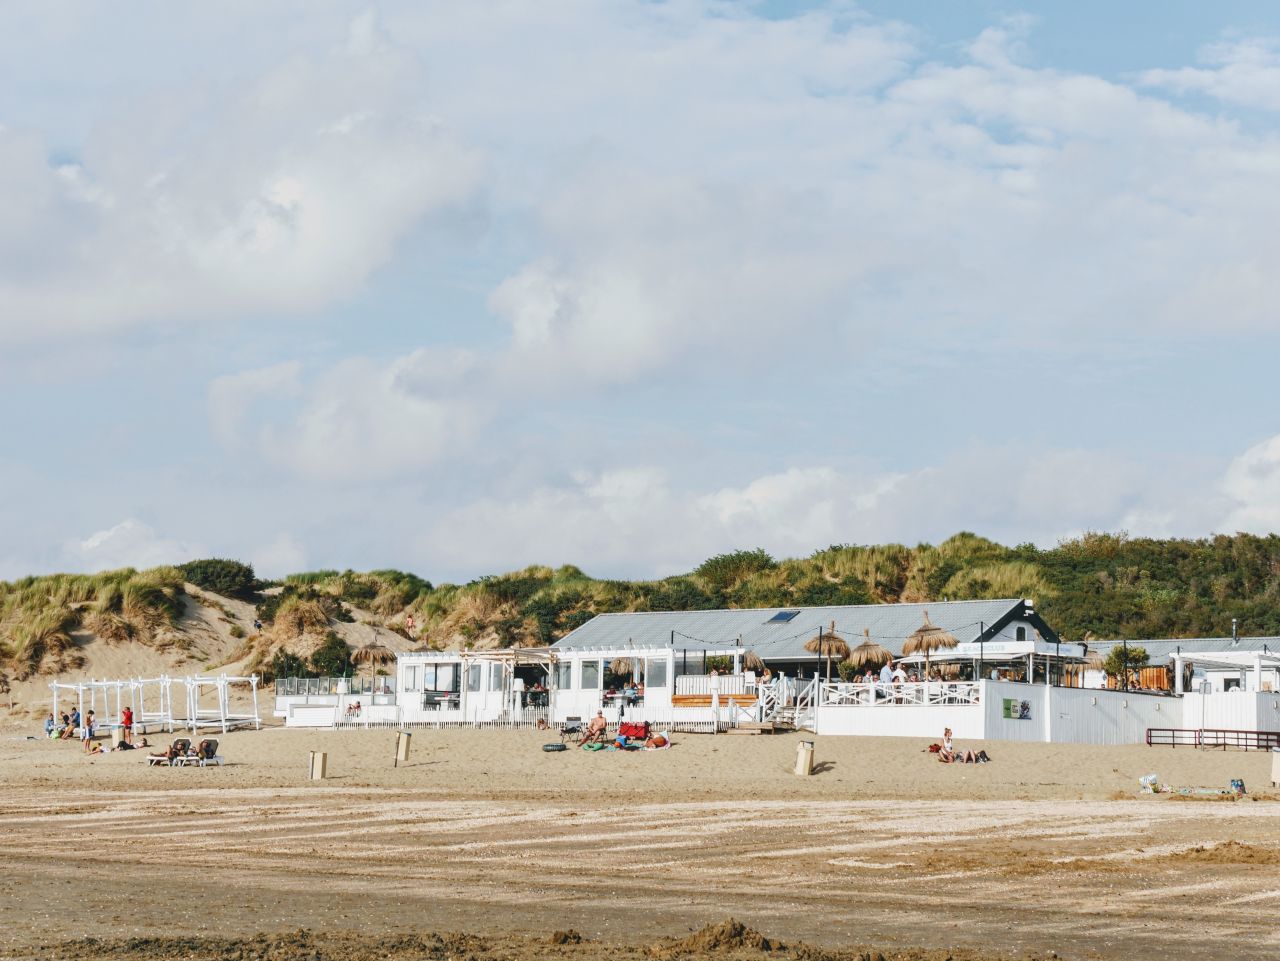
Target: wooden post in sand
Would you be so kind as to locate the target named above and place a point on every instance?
(319, 766)
(402, 747)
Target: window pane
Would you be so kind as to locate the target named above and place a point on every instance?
(655, 674)
(411, 678)
(473, 677)
(590, 675)
(564, 675)
(447, 676)
(495, 677)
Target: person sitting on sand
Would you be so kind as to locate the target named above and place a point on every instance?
(93, 748)
(595, 730)
(50, 725)
(948, 753)
(657, 741)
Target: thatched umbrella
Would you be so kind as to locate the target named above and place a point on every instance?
(751, 662)
(621, 666)
(1093, 660)
(373, 654)
(828, 645)
(926, 639)
(869, 653)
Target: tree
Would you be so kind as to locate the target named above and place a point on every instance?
(332, 658)
(1121, 661)
(287, 664)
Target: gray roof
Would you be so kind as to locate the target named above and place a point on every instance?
(889, 624)
(1159, 649)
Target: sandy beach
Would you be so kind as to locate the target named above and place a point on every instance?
(1049, 848)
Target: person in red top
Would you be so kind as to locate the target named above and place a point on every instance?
(126, 724)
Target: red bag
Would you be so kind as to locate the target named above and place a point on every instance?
(634, 729)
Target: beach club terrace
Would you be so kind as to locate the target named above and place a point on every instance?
(989, 669)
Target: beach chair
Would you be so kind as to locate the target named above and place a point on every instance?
(571, 728)
(206, 753)
(178, 750)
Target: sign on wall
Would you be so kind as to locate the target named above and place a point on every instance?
(1017, 710)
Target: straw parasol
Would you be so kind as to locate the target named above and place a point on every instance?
(373, 654)
(621, 666)
(926, 639)
(751, 662)
(869, 653)
(828, 645)
(1093, 661)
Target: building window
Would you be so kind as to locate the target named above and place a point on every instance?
(473, 677)
(564, 675)
(1021, 634)
(655, 672)
(590, 675)
(495, 677)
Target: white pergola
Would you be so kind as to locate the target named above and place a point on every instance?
(1242, 661)
(108, 699)
(221, 715)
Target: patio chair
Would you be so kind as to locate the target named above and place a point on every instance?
(175, 756)
(571, 728)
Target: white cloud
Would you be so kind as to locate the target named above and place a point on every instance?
(279, 197)
(1245, 72)
(357, 420)
(281, 556)
(232, 397)
(1252, 482)
(130, 543)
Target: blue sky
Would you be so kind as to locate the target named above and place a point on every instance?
(626, 284)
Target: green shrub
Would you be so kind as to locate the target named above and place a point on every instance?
(725, 570)
(332, 658)
(225, 577)
(287, 664)
(237, 631)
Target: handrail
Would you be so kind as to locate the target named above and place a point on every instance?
(860, 694)
(1213, 737)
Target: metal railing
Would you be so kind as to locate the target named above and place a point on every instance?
(1213, 738)
(861, 694)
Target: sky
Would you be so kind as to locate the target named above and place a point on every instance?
(458, 288)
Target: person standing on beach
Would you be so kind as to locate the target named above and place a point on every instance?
(886, 678)
(86, 732)
(126, 724)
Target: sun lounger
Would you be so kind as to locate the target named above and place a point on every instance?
(206, 753)
(176, 755)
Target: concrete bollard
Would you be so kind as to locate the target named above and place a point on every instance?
(117, 736)
(804, 758)
(319, 766)
(402, 747)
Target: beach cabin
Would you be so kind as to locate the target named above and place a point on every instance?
(510, 686)
(1223, 663)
